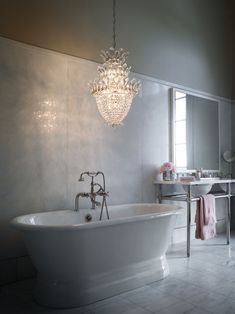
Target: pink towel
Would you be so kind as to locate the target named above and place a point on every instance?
(205, 218)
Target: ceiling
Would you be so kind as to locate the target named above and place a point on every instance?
(75, 27)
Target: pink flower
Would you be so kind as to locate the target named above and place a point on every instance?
(167, 166)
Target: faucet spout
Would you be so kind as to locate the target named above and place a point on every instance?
(82, 194)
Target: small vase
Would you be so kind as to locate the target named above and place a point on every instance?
(168, 175)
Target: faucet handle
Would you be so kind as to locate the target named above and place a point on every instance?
(103, 193)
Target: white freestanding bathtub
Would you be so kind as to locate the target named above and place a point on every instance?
(80, 262)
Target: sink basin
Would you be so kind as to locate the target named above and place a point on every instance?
(198, 190)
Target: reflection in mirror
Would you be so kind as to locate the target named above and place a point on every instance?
(195, 132)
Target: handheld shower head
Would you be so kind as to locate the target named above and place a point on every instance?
(81, 179)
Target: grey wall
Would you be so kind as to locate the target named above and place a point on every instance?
(232, 3)
(233, 164)
(185, 41)
(233, 97)
(40, 169)
(233, 46)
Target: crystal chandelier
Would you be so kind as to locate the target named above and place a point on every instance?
(113, 89)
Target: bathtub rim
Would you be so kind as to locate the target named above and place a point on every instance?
(176, 210)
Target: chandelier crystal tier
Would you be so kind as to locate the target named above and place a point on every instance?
(113, 89)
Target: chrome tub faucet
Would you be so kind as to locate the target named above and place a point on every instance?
(93, 194)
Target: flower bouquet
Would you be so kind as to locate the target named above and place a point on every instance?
(167, 170)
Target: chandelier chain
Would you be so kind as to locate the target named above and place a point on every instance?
(114, 24)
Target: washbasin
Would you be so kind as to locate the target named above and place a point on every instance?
(217, 187)
(200, 189)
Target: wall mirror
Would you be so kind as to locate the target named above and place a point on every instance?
(194, 132)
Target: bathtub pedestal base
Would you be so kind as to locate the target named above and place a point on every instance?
(58, 294)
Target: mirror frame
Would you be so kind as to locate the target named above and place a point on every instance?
(171, 127)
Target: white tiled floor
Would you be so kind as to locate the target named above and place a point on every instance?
(204, 283)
